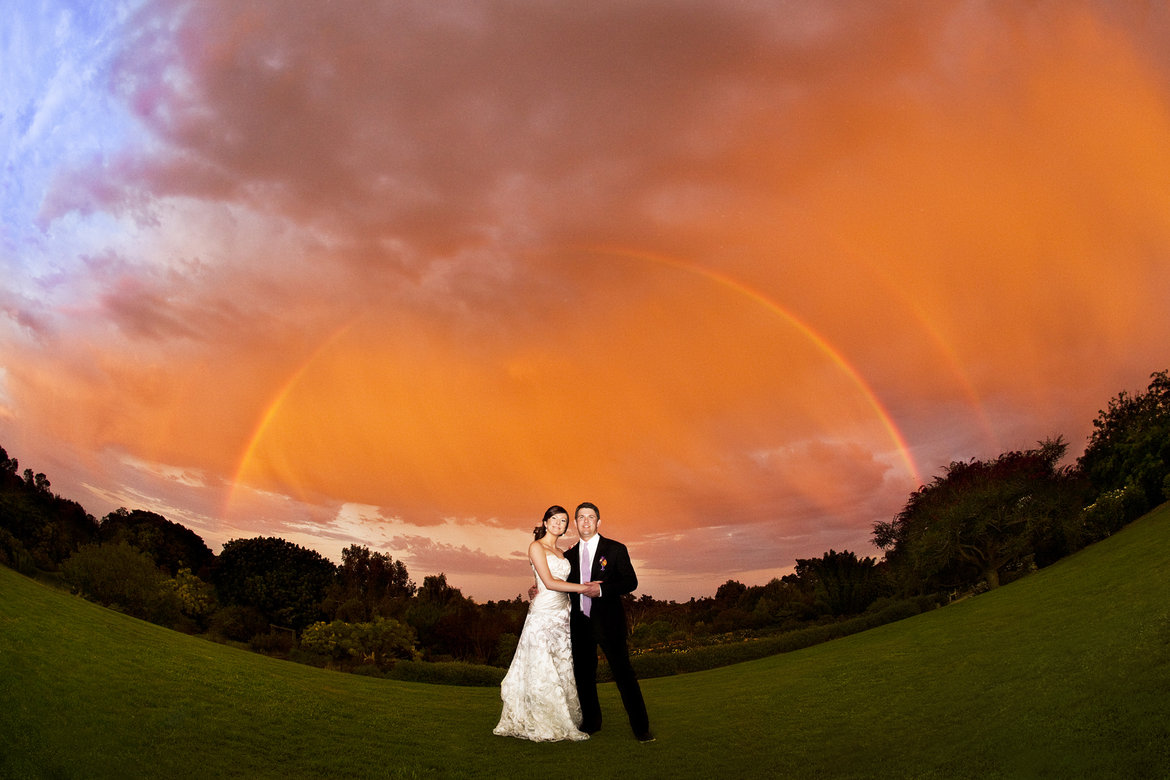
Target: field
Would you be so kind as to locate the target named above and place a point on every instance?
(1064, 673)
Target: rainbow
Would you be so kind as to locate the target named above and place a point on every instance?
(274, 407)
(820, 342)
(929, 327)
(729, 283)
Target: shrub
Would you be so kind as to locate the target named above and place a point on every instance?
(285, 581)
(124, 578)
(379, 641)
(196, 598)
(696, 659)
(332, 640)
(1113, 509)
(447, 673)
(368, 670)
(1134, 502)
(506, 648)
(14, 555)
(1105, 515)
(300, 655)
(237, 623)
(276, 642)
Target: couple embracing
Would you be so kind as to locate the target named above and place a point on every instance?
(550, 690)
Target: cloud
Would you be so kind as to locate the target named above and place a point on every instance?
(431, 124)
(23, 313)
(427, 555)
(132, 498)
(731, 270)
(183, 476)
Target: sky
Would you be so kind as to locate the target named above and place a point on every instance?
(404, 274)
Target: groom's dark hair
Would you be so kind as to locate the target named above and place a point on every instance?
(588, 505)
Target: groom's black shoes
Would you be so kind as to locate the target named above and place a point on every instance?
(645, 737)
(590, 728)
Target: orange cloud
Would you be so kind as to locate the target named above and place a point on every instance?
(366, 255)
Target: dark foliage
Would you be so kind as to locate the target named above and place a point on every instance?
(170, 545)
(1129, 450)
(124, 578)
(683, 659)
(982, 517)
(368, 585)
(276, 642)
(843, 583)
(447, 673)
(49, 528)
(380, 642)
(283, 581)
(238, 623)
(13, 554)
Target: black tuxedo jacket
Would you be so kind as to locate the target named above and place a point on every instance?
(612, 568)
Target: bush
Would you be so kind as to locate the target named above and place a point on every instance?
(277, 642)
(237, 623)
(368, 670)
(300, 655)
(1105, 515)
(1134, 502)
(697, 659)
(505, 649)
(14, 555)
(196, 598)
(447, 673)
(379, 641)
(1114, 509)
(285, 581)
(121, 577)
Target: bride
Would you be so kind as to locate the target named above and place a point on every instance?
(539, 692)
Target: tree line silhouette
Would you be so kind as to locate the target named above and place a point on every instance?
(974, 526)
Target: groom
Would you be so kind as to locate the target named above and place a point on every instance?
(602, 621)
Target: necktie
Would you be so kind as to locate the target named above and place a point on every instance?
(586, 575)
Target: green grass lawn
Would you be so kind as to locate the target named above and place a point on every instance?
(1065, 673)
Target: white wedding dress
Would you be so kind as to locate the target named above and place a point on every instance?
(539, 692)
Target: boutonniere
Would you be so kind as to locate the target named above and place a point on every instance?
(603, 563)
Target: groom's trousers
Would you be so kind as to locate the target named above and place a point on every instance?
(587, 634)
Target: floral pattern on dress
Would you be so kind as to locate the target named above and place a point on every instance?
(539, 691)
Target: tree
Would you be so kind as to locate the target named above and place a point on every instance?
(238, 623)
(843, 583)
(14, 555)
(284, 581)
(380, 641)
(369, 584)
(8, 468)
(436, 590)
(1130, 445)
(36, 482)
(729, 593)
(437, 612)
(48, 527)
(195, 597)
(172, 546)
(122, 577)
(982, 516)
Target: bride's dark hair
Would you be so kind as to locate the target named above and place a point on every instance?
(540, 530)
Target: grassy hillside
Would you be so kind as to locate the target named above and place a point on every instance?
(1065, 673)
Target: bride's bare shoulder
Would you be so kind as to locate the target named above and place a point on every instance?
(536, 548)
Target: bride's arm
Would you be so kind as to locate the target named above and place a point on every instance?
(536, 553)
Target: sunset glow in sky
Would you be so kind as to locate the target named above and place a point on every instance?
(404, 274)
